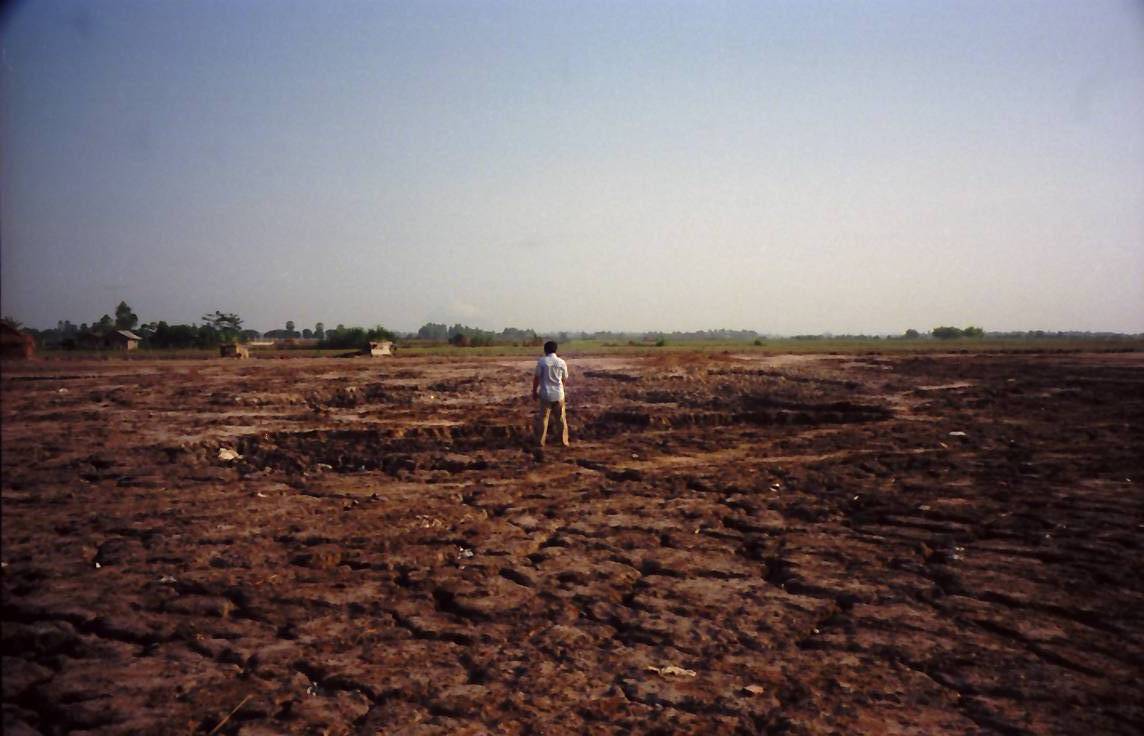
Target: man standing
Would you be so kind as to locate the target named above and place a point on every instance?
(548, 386)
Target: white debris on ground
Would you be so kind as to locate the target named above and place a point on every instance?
(670, 671)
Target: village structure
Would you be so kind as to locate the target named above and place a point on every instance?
(20, 344)
(115, 340)
(376, 349)
(16, 344)
(233, 350)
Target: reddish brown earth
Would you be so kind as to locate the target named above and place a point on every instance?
(732, 545)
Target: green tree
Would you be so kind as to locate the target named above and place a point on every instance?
(380, 333)
(319, 331)
(105, 323)
(225, 326)
(947, 333)
(433, 331)
(125, 319)
(208, 337)
(289, 325)
(465, 336)
(519, 336)
(343, 337)
(173, 336)
(972, 331)
(912, 334)
(15, 324)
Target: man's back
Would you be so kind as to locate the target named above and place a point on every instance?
(551, 370)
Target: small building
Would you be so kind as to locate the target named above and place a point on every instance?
(233, 350)
(112, 340)
(378, 348)
(122, 340)
(16, 344)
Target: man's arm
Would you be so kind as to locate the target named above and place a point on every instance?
(535, 386)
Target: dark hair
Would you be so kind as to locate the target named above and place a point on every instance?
(549, 347)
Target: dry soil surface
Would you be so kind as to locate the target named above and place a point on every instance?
(871, 544)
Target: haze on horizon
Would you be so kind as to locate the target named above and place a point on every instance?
(783, 167)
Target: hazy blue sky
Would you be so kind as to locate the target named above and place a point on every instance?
(781, 166)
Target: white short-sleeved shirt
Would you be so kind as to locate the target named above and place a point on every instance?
(551, 371)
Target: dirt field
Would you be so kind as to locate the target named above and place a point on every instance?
(826, 545)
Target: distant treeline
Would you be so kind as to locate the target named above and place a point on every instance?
(953, 333)
(215, 329)
(1063, 335)
(465, 336)
(676, 336)
(220, 327)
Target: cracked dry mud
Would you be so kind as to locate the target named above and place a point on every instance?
(733, 544)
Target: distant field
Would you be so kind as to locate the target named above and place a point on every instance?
(601, 347)
(777, 346)
(787, 345)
